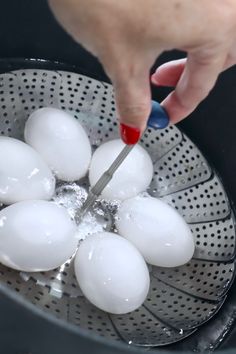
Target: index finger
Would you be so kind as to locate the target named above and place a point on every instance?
(195, 83)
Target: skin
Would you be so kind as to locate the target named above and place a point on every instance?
(128, 35)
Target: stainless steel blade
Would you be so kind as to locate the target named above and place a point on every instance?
(97, 189)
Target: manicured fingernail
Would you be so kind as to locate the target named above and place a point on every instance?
(129, 135)
(158, 118)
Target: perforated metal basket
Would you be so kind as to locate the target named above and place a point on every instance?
(180, 299)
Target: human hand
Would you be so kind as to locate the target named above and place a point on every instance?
(127, 37)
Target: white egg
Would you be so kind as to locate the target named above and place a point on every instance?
(111, 273)
(61, 141)
(23, 173)
(36, 236)
(157, 230)
(132, 177)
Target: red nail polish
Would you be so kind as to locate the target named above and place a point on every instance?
(129, 135)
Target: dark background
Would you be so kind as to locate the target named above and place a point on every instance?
(28, 30)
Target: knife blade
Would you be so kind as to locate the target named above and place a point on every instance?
(158, 119)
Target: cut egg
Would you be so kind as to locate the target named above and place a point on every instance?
(132, 177)
(111, 273)
(61, 141)
(157, 230)
(23, 173)
(36, 236)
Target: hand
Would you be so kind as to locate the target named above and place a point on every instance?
(127, 37)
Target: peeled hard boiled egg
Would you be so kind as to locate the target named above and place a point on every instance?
(23, 173)
(36, 236)
(132, 177)
(157, 230)
(111, 273)
(61, 141)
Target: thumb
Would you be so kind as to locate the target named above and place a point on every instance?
(133, 100)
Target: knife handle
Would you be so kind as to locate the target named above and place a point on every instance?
(158, 118)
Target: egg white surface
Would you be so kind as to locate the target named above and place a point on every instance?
(111, 273)
(157, 230)
(23, 173)
(133, 175)
(36, 236)
(61, 141)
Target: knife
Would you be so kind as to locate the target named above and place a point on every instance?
(158, 119)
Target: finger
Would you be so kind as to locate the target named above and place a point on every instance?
(169, 73)
(133, 100)
(195, 83)
(230, 61)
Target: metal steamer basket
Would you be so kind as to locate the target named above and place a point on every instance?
(180, 299)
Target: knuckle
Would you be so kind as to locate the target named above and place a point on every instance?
(199, 91)
(134, 111)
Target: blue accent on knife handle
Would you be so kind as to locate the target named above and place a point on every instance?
(158, 118)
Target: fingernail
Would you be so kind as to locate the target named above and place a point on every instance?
(129, 135)
(155, 81)
(158, 118)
